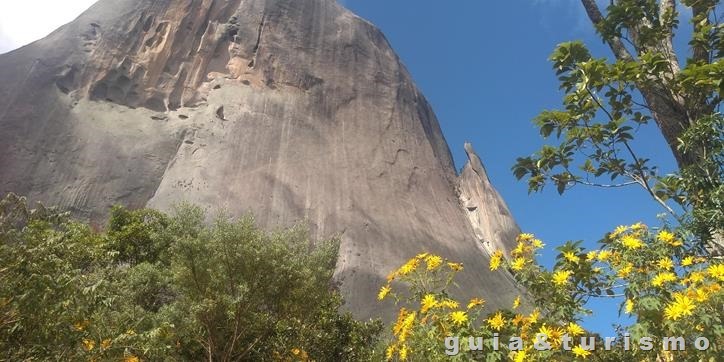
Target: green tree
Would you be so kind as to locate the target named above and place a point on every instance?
(168, 287)
(607, 102)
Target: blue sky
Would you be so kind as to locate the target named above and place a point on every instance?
(483, 65)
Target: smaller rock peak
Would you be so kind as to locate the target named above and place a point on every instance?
(475, 163)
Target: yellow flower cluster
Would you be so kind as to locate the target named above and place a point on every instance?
(404, 324)
(401, 329)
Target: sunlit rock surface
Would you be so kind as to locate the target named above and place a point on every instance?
(294, 110)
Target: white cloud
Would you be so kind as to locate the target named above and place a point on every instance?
(25, 21)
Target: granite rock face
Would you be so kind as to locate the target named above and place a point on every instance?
(294, 110)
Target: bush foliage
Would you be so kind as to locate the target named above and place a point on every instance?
(168, 287)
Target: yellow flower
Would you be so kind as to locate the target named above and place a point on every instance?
(409, 267)
(383, 292)
(421, 256)
(459, 317)
(571, 256)
(560, 277)
(80, 326)
(700, 295)
(591, 255)
(618, 231)
(518, 319)
(455, 266)
(714, 288)
(680, 307)
(520, 356)
(603, 255)
(662, 278)
(533, 317)
(106, 343)
(397, 327)
(579, 351)
(689, 260)
(525, 237)
(638, 226)
(695, 277)
(131, 358)
(665, 263)
(89, 344)
(537, 243)
(391, 277)
(516, 302)
(390, 352)
(404, 324)
(449, 304)
(475, 302)
(428, 302)
(631, 242)
(518, 264)
(496, 260)
(433, 262)
(403, 353)
(669, 238)
(575, 330)
(625, 271)
(519, 249)
(716, 271)
(629, 306)
(497, 321)
(553, 334)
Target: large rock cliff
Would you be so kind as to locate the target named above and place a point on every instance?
(294, 110)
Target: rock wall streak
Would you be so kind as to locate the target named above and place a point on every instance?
(295, 110)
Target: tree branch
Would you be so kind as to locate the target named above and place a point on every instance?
(607, 185)
(594, 13)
